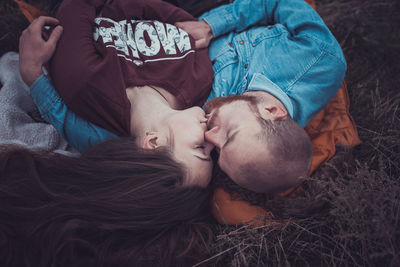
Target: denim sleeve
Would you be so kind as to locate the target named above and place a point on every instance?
(78, 132)
(298, 17)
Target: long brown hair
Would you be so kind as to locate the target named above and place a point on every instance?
(115, 205)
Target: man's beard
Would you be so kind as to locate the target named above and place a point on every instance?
(216, 103)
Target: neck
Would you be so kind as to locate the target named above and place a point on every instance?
(170, 98)
(149, 107)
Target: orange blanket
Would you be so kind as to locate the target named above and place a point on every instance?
(30, 12)
(333, 125)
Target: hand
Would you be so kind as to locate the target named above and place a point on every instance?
(34, 50)
(199, 30)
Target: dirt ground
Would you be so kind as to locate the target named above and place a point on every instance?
(357, 221)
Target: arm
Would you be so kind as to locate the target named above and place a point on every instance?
(34, 54)
(320, 66)
(296, 15)
(34, 51)
(78, 132)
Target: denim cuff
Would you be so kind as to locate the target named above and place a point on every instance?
(220, 20)
(43, 94)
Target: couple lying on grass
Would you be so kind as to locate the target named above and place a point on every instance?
(135, 73)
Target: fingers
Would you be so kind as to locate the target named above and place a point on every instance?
(36, 33)
(183, 25)
(40, 22)
(55, 36)
(37, 26)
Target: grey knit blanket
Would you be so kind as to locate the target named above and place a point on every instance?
(20, 121)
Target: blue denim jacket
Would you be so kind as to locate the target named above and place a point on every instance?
(295, 58)
(279, 46)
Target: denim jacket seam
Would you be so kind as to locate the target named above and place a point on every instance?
(335, 56)
(280, 34)
(55, 101)
(52, 101)
(228, 15)
(277, 33)
(48, 105)
(324, 46)
(306, 70)
(216, 21)
(45, 107)
(218, 68)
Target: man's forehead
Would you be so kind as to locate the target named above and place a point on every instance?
(219, 102)
(234, 113)
(235, 103)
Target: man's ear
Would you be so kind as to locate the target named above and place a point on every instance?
(150, 141)
(273, 112)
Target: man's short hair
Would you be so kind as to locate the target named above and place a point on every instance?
(287, 158)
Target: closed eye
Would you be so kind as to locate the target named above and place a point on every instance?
(202, 155)
(203, 158)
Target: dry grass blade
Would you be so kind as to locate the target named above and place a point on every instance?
(353, 219)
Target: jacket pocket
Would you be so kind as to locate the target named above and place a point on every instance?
(258, 34)
(224, 59)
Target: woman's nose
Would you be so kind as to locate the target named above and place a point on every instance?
(214, 136)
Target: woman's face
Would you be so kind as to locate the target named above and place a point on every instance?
(186, 138)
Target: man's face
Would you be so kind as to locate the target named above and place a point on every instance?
(233, 129)
(186, 138)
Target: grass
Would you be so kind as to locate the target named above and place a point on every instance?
(360, 224)
(358, 221)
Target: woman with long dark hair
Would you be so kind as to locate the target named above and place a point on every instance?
(115, 205)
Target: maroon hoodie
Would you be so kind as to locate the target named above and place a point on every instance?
(108, 46)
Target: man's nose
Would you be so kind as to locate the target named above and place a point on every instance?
(208, 147)
(214, 136)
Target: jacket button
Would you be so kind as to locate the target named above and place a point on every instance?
(241, 42)
(230, 44)
(246, 66)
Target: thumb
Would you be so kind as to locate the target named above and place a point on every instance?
(55, 35)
